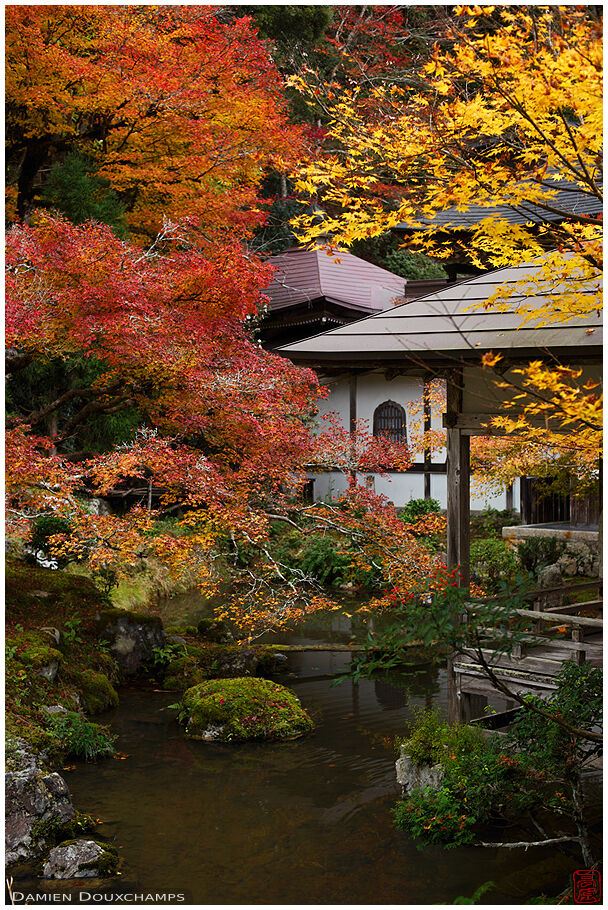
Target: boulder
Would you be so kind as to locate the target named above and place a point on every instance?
(132, 638)
(54, 709)
(38, 803)
(413, 777)
(81, 858)
(237, 662)
(36, 653)
(213, 630)
(550, 577)
(236, 710)
(97, 694)
(578, 559)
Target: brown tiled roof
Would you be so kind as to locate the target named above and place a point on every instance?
(302, 276)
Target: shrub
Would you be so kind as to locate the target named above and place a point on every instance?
(492, 562)
(435, 816)
(536, 553)
(80, 738)
(431, 739)
(490, 522)
(43, 529)
(416, 508)
(322, 559)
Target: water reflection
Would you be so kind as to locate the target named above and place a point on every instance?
(306, 822)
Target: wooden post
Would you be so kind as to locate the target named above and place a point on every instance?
(454, 701)
(427, 426)
(458, 477)
(352, 416)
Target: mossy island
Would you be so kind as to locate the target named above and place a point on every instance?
(241, 710)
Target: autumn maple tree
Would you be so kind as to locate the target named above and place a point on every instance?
(180, 111)
(134, 373)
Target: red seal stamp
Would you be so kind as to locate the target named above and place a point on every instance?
(587, 886)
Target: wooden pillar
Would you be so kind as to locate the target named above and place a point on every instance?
(454, 699)
(427, 426)
(352, 388)
(458, 478)
(352, 417)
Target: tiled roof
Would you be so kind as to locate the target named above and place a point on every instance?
(450, 323)
(302, 276)
(570, 198)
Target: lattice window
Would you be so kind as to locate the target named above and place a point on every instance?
(389, 420)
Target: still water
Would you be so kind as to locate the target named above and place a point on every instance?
(306, 822)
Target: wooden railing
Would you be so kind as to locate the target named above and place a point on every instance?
(560, 619)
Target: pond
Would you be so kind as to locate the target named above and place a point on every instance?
(305, 822)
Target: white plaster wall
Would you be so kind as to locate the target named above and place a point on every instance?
(328, 484)
(372, 390)
(338, 399)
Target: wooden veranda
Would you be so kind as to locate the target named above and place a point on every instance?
(570, 630)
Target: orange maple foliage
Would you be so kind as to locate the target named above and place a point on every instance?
(181, 111)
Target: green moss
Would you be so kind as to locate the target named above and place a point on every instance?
(106, 863)
(212, 630)
(98, 692)
(182, 673)
(244, 709)
(181, 630)
(39, 598)
(107, 618)
(49, 594)
(47, 832)
(33, 648)
(267, 660)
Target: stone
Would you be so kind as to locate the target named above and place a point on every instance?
(567, 564)
(213, 630)
(417, 777)
(238, 710)
(54, 709)
(81, 858)
(49, 671)
(132, 638)
(578, 558)
(241, 662)
(550, 577)
(37, 802)
(97, 694)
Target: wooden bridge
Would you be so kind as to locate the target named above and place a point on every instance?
(567, 631)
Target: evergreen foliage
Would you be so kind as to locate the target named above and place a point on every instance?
(74, 188)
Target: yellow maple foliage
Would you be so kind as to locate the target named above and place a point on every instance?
(506, 118)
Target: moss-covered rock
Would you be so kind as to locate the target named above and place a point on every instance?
(211, 660)
(96, 691)
(183, 673)
(236, 710)
(213, 630)
(81, 858)
(133, 638)
(34, 649)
